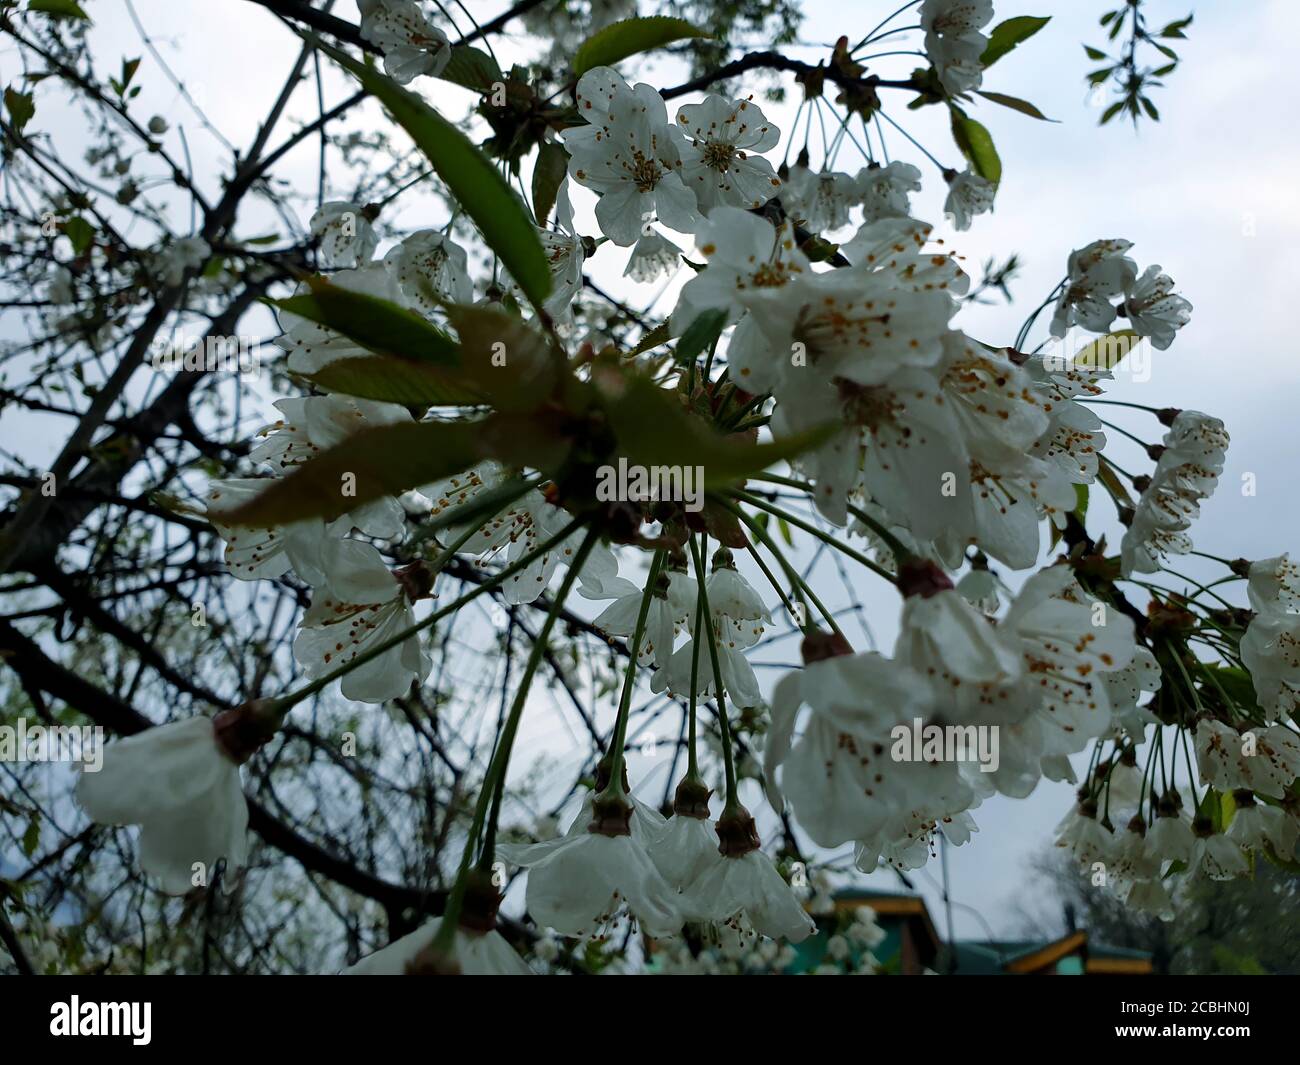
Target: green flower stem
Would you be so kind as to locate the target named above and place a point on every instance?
(614, 789)
(810, 528)
(771, 579)
(733, 800)
(1120, 403)
(494, 779)
(692, 765)
(895, 545)
(801, 587)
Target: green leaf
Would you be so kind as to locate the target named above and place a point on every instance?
(59, 8)
(654, 429)
(503, 359)
(1289, 864)
(621, 39)
(20, 108)
(1015, 103)
(700, 334)
(472, 180)
(382, 460)
(471, 68)
(1006, 35)
(1095, 53)
(548, 175)
(1111, 112)
(392, 380)
(1230, 681)
(976, 144)
(378, 325)
(660, 334)
(1150, 109)
(79, 232)
(32, 837)
(1107, 352)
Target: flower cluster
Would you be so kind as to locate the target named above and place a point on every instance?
(1186, 473)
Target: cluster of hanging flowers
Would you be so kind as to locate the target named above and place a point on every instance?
(925, 456)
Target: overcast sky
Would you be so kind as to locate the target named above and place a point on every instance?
(1208, 192)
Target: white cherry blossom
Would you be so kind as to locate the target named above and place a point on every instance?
(411, 44)
(347, 239)
(182, 788)
(721, 161)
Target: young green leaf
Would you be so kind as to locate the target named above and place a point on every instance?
(79, 232)
(976, 144)
(548, 175)
(1015, 103)
(660, 334)
(20, 108)
(700, 334)
(474, 182)
(383, 460)
(607, 46)
(378, 325)
(503, 359)
(393, 380)
(1006, 35)
(653, 429)
(58, 8)
(472, 69)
